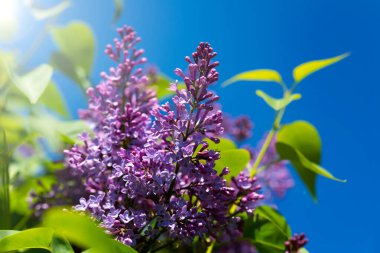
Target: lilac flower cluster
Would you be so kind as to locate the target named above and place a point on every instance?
(66, 191)
(294, 244)
(273, 174)
(147, 169)
(240, 129)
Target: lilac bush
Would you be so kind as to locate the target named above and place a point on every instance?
(148, 184)
(175, 175)
(150, 174)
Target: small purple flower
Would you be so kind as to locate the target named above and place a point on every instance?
(295, 243)
(273, 175)
(240, 129)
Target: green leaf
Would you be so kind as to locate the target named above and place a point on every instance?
(303, 250)
(63, 64)
(60, 245)
(71, 129)
(278, 104)
(299, 142)
(118, 10)
(161, 85)
(7, 59)
(235, 159)
(263, 75)
(223, 145)
(55, 131)
(5, 220)
(77, 43)
(40, 13)
(267, 230)
(28, 239)
(4, 233)
(290, 153)
(79, 229)
(304, 70)
(33, 84)
(14, 127)
(21, 192)
(120, 247)
(52, 99)
(83, 231)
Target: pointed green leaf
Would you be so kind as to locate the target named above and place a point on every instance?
(40, 13)
(53, 99)
(261, 75)
(34, 83)
(267, 230)
(303, 250)
(299, 142)
(77, 43)
(60, 245)
(63, 64)
(308, 68)
(278, 104)
(290, 153)
(35, 238)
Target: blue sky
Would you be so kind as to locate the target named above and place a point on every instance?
(343, 101)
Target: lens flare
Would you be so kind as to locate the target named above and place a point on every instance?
(8, 19)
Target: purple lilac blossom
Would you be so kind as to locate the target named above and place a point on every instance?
(295, 243)
(147, 183)
(239, 246)
(239, 129)
(273, 175)
(67, 190)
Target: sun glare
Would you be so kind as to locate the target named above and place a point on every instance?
(8, 18)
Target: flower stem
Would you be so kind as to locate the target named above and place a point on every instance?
(267, 141)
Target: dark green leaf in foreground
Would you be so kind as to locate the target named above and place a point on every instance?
(60, 245)
(83, 231)
(5, 216)
(299, 142)
(4, 233)
(35, 238)
(267, 230)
